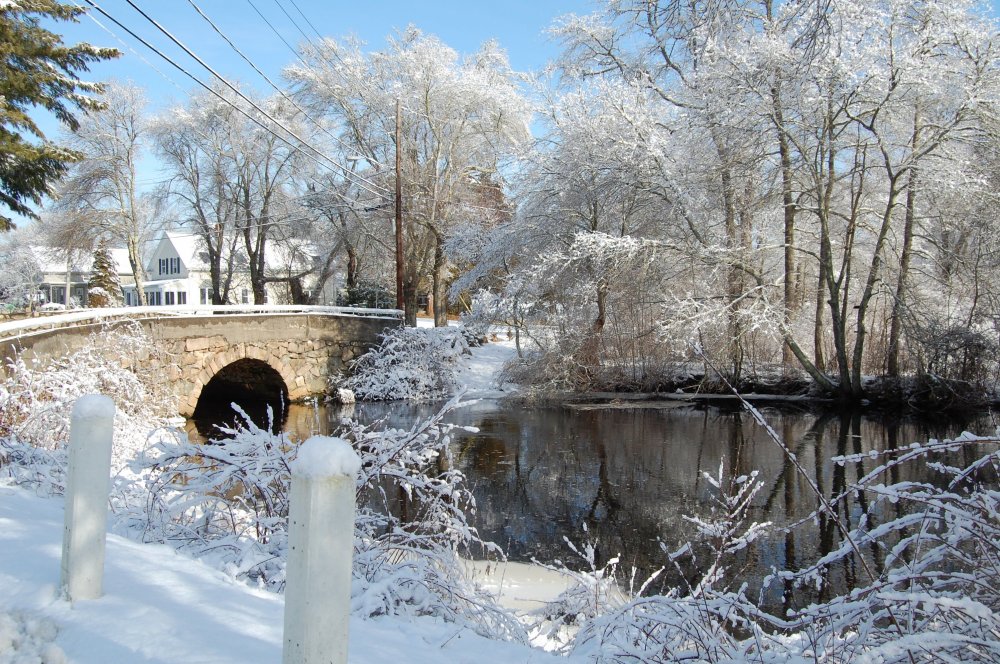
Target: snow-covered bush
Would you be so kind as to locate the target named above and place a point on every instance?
(591, 592)
(42, 469)
(100, 297)
(228, 500)
(934, 597)
(697, 622)
(937, 595)
(410, 363)
(36, 400)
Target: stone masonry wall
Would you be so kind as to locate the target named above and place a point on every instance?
(305, 349)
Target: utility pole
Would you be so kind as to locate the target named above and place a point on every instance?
(400, 304)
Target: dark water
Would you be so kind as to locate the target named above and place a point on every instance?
(540, 474)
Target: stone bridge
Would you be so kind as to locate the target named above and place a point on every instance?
(294, 349)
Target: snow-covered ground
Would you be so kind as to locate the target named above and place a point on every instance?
(479, 372)
(161, 606)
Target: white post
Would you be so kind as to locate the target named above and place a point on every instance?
(87, 486)
(320, 548)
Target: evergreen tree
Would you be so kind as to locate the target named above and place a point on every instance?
(38, 70)
(104, 287)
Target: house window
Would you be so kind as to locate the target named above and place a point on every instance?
(245, 296)
(168, 298)
(175, 266)
(206, 295)
(182, 297)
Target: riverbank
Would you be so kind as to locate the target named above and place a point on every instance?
(692, 384)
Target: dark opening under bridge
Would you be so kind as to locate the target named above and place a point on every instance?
(295, 348)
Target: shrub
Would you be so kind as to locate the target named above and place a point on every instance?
(410, 363)
(36, 400)
(229, 500)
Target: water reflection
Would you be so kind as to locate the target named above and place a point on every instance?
(631, 476)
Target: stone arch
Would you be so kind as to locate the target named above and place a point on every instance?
(253, 385)
(231, 355)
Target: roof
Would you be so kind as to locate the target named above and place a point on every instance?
(53, 259)
(189, 248)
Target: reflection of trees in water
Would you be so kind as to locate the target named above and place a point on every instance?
(540, 474)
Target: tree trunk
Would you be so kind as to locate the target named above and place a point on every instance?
(69, 281)
(440, 284)
(297, 292)
(788, 207)
(602, 308)
(861, 332)
(352, 266)
(898, 302)
(734, 287)
(138, 272)
(819, 358)
(410, 282)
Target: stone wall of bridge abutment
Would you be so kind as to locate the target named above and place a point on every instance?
(304, 345)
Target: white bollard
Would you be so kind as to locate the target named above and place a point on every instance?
(320, 549)
(87, 486)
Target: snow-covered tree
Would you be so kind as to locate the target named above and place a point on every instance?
(460, 118)
(231, 171)
(787, 153)
(101, 197)
(104, 289)
(21, 275)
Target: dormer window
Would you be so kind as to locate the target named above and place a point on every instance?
(169, 265)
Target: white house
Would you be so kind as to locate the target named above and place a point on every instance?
(65, 273)
(177, 272)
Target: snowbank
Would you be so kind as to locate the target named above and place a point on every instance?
(160, 606)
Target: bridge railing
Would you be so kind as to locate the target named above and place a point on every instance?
(79, 317)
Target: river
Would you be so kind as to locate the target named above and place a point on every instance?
(626, 477)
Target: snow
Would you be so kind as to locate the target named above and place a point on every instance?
(478, 373)
(522, 587)
(94, 407)
(160, 606)
(325, 456)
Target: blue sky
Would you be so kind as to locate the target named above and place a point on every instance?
(518, 25)
(267, 31)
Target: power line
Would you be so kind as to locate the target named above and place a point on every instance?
(194, 78)
(285, 12)
(346, 201)
(242, 96)
(306, 18)
(279, 90)
(214, 92)
(166, 78)
(243, 112)
(275, 31)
